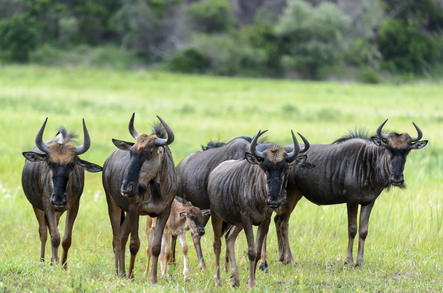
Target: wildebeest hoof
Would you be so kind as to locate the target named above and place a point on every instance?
(217, 282)
(349, 261)
(359, 263)
(264, 267)
(236, 285)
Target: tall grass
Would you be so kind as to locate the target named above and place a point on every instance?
(404, 246)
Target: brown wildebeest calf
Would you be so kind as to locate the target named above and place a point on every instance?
(53, 179)
(183, 217)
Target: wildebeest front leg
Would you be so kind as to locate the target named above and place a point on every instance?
(42, 231)
(217, 224)
(365, 212)
(262, 233)
(352, 230)
(230, 249)
(134, 244)
(67, 237)
(263, 259)
(198, 249)
(115, 216)
(125, 229)
(252, 251)
(53, 231)
(156, 244)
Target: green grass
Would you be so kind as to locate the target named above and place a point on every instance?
(404, 247)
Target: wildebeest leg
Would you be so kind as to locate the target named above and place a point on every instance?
(352, 230)
(42, 231)
(125, 229)
(182, 238)
(227, 254)
(198, 249)
(252, 251)
(156, 244)
(365, 212)
(53, 231)
(173, 244)
(217, 224)
(115, 216)
(262, 232)
(134, 244)
(281, 221)
(230, 244)
(263, 259)
(67, 235)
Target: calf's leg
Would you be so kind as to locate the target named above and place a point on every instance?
(182, 239)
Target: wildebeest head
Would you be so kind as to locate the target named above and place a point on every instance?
(276, 162)
(61, 156)
(146, 156)
(194, 218)
(398, 147)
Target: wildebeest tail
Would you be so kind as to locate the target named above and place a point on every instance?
(225, 227)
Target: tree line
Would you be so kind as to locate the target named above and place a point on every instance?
(302, 38)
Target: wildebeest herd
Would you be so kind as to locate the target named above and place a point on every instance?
(237, 184)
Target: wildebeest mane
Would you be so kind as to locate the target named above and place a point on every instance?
(356, 133)
(159, 130)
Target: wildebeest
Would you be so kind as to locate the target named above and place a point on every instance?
(139, 179)
(244, 193)
(352, 170)
(52, 180)
(183, 217)
(192, 175)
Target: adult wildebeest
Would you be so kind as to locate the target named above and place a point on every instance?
(244, 193)
(183, 217)
(52, 180)
(193, 172)
(352, 170)
(139, 179)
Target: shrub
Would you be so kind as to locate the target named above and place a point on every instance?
(212, 16)
(190, 60)
(405, 48)
(18, 37)
(313, 36)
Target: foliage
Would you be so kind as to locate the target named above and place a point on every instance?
(18, 36)
(313, 36)
(189, 60)
(405, 48)
(211, 16)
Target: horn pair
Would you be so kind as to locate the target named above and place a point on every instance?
(385, 136)
(78, 150)
(158, 141)
(290, 156)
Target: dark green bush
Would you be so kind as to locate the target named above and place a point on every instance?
(190, 60)
(405, 48)
(18, 37)
(212, 16)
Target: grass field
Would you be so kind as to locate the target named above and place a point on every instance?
(404, 248)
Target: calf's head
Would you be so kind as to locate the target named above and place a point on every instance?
(398, 147)
(146, 156)
(194, 218)
(275, 163)
(61, 156)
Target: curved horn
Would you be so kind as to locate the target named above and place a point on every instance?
(132, 130)
(163, 141)
(306, 142)
(296, 149)
(419, 134)
(39, 138)
(86, 141)
(253, 149)
(379, 130)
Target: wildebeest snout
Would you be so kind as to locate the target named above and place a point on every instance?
(272, 203)
(397, 179)
(59, 201)
(128, 189)
(201, 231)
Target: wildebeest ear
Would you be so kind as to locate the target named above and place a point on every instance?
(90, 167)
(123, 145)
(253, 159)
(183, 214)
(34, 157)
(378, 141)
(206, 212)
(419, 145)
